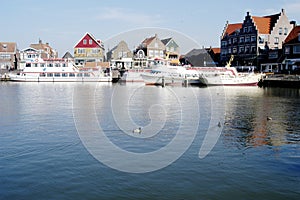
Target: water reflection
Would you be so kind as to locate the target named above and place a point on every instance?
(256, 117)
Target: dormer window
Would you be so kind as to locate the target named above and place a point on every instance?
(84, 41)
(90, 41)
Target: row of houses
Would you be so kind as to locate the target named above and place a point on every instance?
(269, 43)
(90, 52)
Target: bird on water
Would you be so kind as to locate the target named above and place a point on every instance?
(137, 130)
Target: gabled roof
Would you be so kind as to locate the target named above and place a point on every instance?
(166, 41)
(293, 36)
(29, 49)
(147, 41)
(68, 55)
(8, 47)
(195, 52)
(40, 46)
(96, 43)
(231, 28)
(265, 24)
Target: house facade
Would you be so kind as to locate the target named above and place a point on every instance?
(119, 51)
(120, 56)
(152, 47)
(46, 51)
(88, 49)
(291, 52)
(8, 55)
(172, 50)
(251, 40)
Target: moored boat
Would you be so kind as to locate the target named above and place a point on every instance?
(59, 70)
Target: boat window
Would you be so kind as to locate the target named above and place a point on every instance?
(42, 74)
(28, 65)
(50, 65)
(72, 75)
(64, 75)
(49, 75)
(79, 74)
(86, 75)
(42, 65)
(64, 65)
(35, 65)
(57, 74)
(57, 65)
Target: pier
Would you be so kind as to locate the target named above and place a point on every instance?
(280, 80)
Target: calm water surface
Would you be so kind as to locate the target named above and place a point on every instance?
(42, 156)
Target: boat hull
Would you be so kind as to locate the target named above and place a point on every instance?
(251, 80)
(18, 78)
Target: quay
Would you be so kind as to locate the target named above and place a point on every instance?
(280, 80)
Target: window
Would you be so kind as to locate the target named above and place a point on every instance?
(280, 31)
(234, 50)
(253, 38)
(234, 40)
(229, 50)
(242, 39)
(224, 44)
(247, 49)
(155, 45)
(81, 51)
(296, 49)
(245, 29)
(247, 39)
(84, 41)
(229, 41)
(286, 31)
(276, 40)
(161, 54)
(261, 39)
(253, 49)
(151, 53)
(241, 50)
(299, 37)
(90, 41)
(287, 50)
(249, 29)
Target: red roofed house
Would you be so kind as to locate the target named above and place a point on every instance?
(45, 50)
(88, 49)
(151, 48)
(291, 51)
(251, 40)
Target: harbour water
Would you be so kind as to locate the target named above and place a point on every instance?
(42, 155)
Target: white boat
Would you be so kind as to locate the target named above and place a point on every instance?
(226, 76)
(170, 75)
(134, 75)
(59, 70)
(230, 80)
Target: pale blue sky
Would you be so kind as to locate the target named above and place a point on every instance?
(63, 22)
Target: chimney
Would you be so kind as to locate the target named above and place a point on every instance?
(293, 23)
(283, 11)
(248, 13)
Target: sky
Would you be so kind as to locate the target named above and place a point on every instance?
(192, 23)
